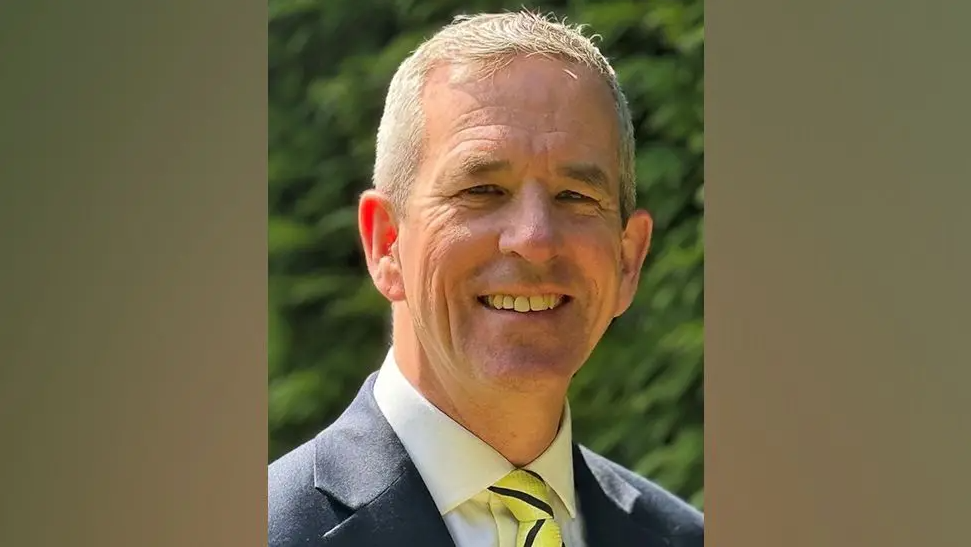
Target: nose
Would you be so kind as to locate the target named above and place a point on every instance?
(529, 229)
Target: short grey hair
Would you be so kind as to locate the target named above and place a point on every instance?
(488, 41)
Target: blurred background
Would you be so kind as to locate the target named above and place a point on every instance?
(639, 400)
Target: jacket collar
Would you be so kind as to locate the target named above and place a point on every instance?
(611, 506)
(361, 463)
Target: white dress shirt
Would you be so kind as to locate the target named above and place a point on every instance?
(458, 467)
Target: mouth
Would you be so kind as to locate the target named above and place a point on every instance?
(523, 304)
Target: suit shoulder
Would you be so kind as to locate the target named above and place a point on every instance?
(678, 521)
(299, 513)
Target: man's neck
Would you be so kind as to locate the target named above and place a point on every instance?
(518, 425)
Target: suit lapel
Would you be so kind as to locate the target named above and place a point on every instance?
(608, 505)
(396, 517)
(361, 463)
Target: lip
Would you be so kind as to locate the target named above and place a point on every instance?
(567, 300)
(532, 290)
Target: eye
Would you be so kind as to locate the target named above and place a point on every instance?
(570, 195)
(485, 190)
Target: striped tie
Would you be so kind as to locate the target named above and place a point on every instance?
(524, 493)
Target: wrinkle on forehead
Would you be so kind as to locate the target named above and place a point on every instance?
(534, 106)
(535, 87)
(536, 77)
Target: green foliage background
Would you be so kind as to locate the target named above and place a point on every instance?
(639, 400)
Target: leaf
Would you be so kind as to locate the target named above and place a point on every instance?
(287, 236)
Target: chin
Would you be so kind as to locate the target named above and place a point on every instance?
(521, 366)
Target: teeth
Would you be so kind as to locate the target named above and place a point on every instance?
(524, 304)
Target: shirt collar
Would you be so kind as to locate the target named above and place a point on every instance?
(455, 464)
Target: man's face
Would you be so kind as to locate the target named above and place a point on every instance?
(517, 206)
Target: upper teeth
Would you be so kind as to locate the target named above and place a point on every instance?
(525, 303)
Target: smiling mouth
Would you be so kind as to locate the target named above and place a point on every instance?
(523, 304)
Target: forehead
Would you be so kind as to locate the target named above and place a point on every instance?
(529, 105)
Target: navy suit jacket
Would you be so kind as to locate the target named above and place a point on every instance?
(354, 485)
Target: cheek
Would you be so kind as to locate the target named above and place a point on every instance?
(441, 256)
(598, 256)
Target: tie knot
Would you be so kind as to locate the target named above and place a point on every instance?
(525, 495)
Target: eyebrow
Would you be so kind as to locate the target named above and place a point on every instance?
(583, 172)
(477, 166)
(587, 173)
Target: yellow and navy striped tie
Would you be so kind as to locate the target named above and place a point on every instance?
(525, 495)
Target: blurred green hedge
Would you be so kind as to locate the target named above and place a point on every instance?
(639, 400)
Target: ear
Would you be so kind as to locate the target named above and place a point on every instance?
(379, 236)
(635, 243)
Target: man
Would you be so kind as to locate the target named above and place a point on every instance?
(502, 231)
